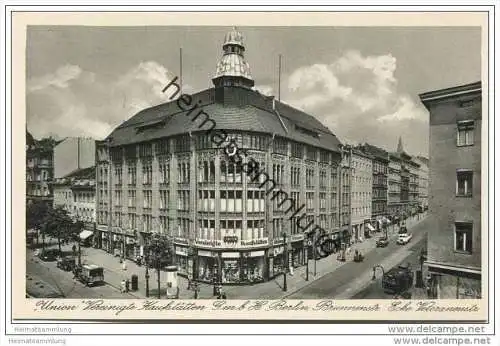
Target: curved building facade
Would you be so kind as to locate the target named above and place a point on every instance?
(166, 170)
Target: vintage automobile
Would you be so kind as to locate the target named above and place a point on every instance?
(404, 238)
(66, 263)
(398, 280)
(49, 255)
(89, 274)
(382, 242)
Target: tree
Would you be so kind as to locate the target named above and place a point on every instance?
(35, 217)
(59, 225)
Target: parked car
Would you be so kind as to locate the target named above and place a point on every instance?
(66, 263)
(49, 255)
(382, 242)
(398, 280)
(404, 238)
(403, 229)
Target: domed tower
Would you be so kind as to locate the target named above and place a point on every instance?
(232, 69)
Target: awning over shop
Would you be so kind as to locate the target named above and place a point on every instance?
(370, 227)
(85, 234)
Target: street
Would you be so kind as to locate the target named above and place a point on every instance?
(375, 291)
(346, 281)
(53, 279)
(340, 280)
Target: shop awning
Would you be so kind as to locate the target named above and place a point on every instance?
(85, 234)
(370, 227)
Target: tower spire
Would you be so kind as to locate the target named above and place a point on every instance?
(232, 69)
(400, 145)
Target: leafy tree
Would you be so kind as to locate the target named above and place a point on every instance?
(59, 225)
(35, 217)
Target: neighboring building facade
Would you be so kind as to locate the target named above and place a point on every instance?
(73, 153)
(423, 181)
(380, 164)
(39, 169)
(394, 205)
(454, 239)
(158, 173)
(346, 174)
(75, 193)
(361, 195)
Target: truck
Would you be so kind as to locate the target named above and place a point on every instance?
(89, 274)
(398, 280)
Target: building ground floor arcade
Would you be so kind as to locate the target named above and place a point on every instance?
(208, 261)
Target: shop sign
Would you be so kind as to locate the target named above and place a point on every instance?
(254, 242)
(210, 243)
(230, 255)
(297, 237)
(278, 250)
(102, 228)
(230, 239)
(181, 251)
(277, 241)
(204, 253)
(180, 241)
(256, 253)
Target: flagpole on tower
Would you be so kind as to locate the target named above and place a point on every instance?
(279, 78)
(180, 69)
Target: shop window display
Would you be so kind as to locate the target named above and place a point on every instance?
(182, 264)
(254, 270)
(230, 271)
(206, 268)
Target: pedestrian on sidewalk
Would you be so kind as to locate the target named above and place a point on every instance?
(124, 264)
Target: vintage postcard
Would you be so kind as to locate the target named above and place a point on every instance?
(232, 166)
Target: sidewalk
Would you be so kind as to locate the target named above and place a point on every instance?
(114, 274)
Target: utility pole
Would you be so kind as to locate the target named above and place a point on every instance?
(314, 252)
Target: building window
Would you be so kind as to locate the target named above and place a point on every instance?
(463, 237)
(164, 197)
(164, 171)
(464, 183)
(465, 133)
(132, 173)
(280, 146)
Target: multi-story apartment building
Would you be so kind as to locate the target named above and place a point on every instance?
(454, 239)
(346, 174)
(423, 181)
(39, 169)
(394, 205)
(380, 169)
(361, 195)
(413, 190)
(73, 153)
(165, 171)
(75, 193)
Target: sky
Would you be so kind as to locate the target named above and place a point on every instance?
(361, 82)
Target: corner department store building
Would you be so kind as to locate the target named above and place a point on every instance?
(160, 172)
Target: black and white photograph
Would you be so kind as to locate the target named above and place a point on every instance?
(212, 172)
(253, 162)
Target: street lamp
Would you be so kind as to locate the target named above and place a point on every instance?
(374, 270)
(285, 264)
(146, 250)
(306, 251)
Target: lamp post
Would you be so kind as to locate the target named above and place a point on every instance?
(306, 251)
(375, 269)
(285, 264)
(314, 252)
(147, 271)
